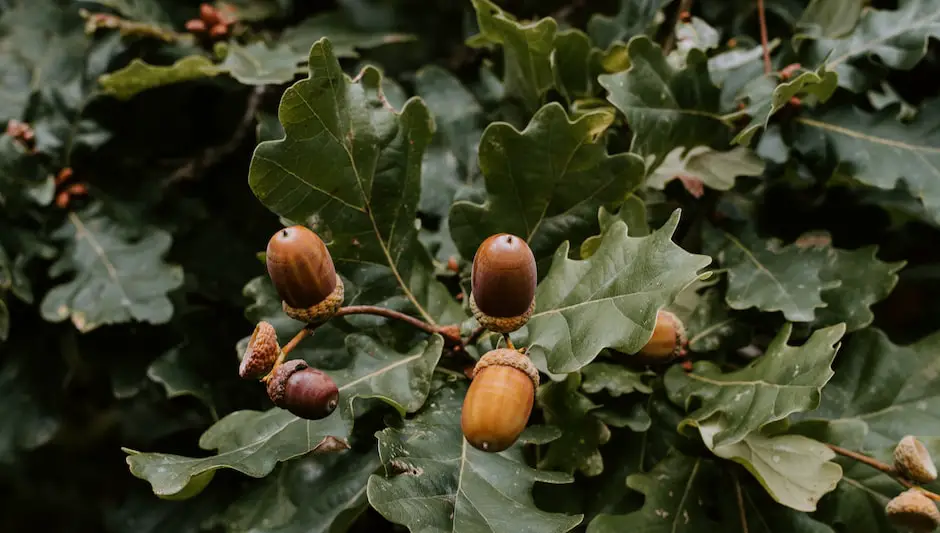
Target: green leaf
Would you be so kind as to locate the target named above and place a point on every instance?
(582, 433)
(768, 276)
(635, 17)
(609, 300)
(665, 107)
(676, 491)
(615, 379)
(527, 48)
(714, 169)
(877, 150)
(172, 371)
(139, 76)
(632, 212)
(258, 64)
(366, 199)
(784, 380)
(709, 323)
(253, 442)
(893, 389)
(343, 36)
(544, 183)
(27, 422)
(765, 99)
(831, 18)
(795, 470)
(435, 482)
(118, 276)
(897, 38)
(281, 503)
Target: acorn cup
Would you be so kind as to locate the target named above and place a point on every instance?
(913, 461)
(302, 271)
(305, 391)
(913, 510)
(667, 343)
(504, 277)
(499, 400)
(261, 354)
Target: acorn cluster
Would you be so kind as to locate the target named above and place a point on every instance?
(213, 22)
(913, 509)
(302, 272)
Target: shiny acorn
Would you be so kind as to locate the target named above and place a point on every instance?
(303, 274)
(667, 343)
(305, 391)
(913, 461)
(499, 401)
(913, 510)
(504, 276)
(261, 353)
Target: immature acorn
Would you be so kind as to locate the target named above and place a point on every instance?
(261, 353)
(913, 461)
(913, 510)
(502, 295)
(667, 343)
(499, 401)
(302, 271)
(303, 390)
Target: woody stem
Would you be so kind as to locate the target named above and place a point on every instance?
(878, 465)
(443, 331)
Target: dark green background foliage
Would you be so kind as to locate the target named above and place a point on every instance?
(791, 220)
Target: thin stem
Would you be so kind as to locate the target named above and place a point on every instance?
(291, 344)
(762, 16)
(740, 497)
(508, 341)
(886, 468)
(443, 331)
(684, 6)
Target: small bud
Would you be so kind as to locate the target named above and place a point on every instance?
(209, 14)
(195, 26)
(304, 391)
(263, 350)
(499, 401)
(218, 30)
(913, 461)
(913, 510)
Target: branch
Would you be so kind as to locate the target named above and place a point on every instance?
(451, 333)
(886, 468)
(762, 16)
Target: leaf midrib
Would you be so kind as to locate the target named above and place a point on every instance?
(83, 232)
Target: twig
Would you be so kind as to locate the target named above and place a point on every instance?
(740, 497)
(886, 468)
(508, 341)
(762, 17)
(214, 154)
(291, 344)
(445, 331)
(670, 43)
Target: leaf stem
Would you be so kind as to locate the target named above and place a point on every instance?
(762, 17)
(451, 334)
(883, 467)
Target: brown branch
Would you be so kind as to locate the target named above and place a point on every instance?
(451, 338)
(670, 43)
(212, 155)
(886, 468)
(740, 497)
(762, 17)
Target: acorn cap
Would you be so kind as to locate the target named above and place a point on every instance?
(305, 391)
(504, 276)
(913, 461)
(912, 509)
(511, 358)
(300, 266)
(261, 353)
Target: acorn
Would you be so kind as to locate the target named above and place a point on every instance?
(667, 343)
(913, 461)
(302, 271)
(305, 391)
(913, 510)
(502, 295)
(261, 353)
(499, 401)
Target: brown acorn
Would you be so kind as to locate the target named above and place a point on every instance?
(301, 268)
(499, 401)
(303, 390)
(504, 276)
(913, 461)
(913, 510)
(261, 353)
(667, 343)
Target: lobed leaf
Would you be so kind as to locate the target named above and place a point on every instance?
(582, 432)
(615, 379)
(436, 482)
(139, 76)
(784, 380)
(253, 442)
(635, 17)
(609, 300)
(706, 166)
